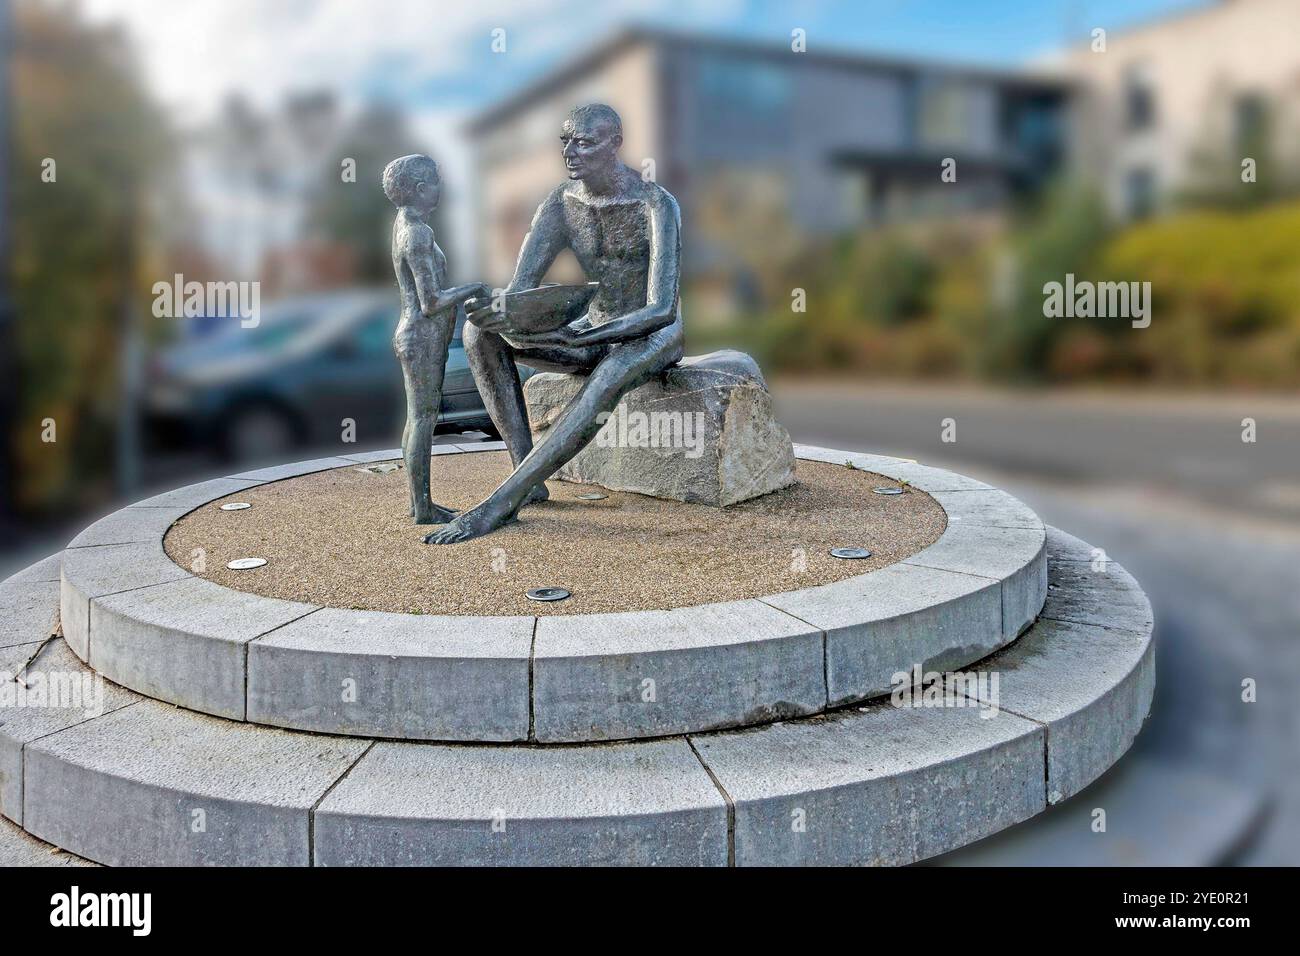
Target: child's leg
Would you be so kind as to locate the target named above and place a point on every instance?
(410, 486)
(423, 357)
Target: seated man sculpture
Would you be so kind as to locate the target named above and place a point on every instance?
(624, 232)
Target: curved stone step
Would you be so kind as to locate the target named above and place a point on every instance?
(19, 848)
(148, 624)
(154, 785)
(146, 783)
(1158, 814)
(28, 613)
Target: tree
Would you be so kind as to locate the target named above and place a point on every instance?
(357, 214)
(87, 141)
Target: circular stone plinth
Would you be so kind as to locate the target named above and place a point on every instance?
(344, 538)
(148, 623)
(885, 783)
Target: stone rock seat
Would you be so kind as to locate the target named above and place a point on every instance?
(702, 431)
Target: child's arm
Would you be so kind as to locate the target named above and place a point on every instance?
(419, 256)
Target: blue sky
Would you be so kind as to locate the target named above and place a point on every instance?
(998, 32)
(435, 56)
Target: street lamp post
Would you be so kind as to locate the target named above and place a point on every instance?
(8, 336)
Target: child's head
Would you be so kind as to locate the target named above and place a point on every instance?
(413, 181)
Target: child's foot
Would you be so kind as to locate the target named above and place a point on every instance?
(434, 514)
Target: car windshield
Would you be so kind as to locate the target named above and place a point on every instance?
(276, 327)
(300, 327)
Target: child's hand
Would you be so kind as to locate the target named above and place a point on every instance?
(479, 298)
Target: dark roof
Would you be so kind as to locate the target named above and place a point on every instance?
(620, 41)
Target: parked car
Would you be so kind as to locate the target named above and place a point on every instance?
(292, 380)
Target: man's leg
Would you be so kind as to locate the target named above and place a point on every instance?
(493, 361)
(497, 378)
(625, 367)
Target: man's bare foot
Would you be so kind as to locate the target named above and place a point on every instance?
(474, 523)
(436, 514)
(537, 494)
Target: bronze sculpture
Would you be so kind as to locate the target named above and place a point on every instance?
(625, 233)
(428, 320)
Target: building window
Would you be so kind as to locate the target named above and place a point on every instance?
(738, 84)
(853, 195)
(941, 119)
(1139, 98)
(1250, 121)
(1139, 192)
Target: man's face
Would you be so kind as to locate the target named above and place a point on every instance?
(590, 146)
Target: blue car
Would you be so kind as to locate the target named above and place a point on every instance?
(295, 377)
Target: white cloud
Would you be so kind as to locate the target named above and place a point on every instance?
(194, 53)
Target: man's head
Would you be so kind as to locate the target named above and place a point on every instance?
(413, 181)
(591, 137)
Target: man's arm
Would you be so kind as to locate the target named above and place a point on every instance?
(547, 237)
(660, 309)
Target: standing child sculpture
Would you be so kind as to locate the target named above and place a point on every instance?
(428, 320)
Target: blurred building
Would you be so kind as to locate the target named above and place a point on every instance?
(288, 195)
(762, 145)
(250, 176)
(1176, 104)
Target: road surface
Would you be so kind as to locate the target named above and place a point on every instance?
(1209, 525)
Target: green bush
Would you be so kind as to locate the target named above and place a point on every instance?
(1225, 301)
(1226, 290)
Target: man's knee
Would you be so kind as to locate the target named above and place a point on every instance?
(627, 368)
(477, 341)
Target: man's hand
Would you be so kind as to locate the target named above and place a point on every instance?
(569, 336)
(479, 311)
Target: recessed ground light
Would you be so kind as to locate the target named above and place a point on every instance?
(235, 506)
(888, 491)
(592, 496)
(246, 564)
(547, 594)
(850, 554)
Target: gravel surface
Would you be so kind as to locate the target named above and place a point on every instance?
(343, 538)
